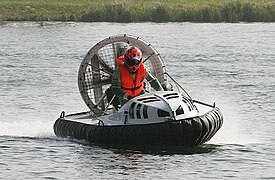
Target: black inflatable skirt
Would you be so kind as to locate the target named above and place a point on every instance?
(186, 132)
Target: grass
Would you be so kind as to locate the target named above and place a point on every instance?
(138, 11)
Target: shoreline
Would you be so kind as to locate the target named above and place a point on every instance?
(196, 11)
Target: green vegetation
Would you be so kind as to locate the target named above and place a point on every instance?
(138, 11)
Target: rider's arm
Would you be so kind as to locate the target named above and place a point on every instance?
(116, 87)
(153, 81)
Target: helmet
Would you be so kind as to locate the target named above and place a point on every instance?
(133, 58)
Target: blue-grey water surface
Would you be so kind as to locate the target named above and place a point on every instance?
(230, 64)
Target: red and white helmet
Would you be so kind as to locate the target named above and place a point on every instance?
(133, 58)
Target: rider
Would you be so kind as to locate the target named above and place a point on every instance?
(128, 78)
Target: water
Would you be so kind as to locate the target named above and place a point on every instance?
(230, 64)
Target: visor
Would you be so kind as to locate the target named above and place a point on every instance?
(133, 62)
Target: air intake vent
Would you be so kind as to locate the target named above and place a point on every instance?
(162, 113)
(148, 99)
(145, 112)
(188, 103)
(171, 95)
(131, 110)
(179, 111)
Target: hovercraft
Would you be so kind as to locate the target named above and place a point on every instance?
(157, 118)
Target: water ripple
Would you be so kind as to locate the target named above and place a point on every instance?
(231, 64)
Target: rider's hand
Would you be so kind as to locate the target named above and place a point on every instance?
(127, 97)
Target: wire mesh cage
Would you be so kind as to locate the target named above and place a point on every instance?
(97, 67)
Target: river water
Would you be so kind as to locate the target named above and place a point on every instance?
(230, 64)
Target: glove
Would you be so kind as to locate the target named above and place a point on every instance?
(127, 97)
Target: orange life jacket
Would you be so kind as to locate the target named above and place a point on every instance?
(119, 60)
(131, 83)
